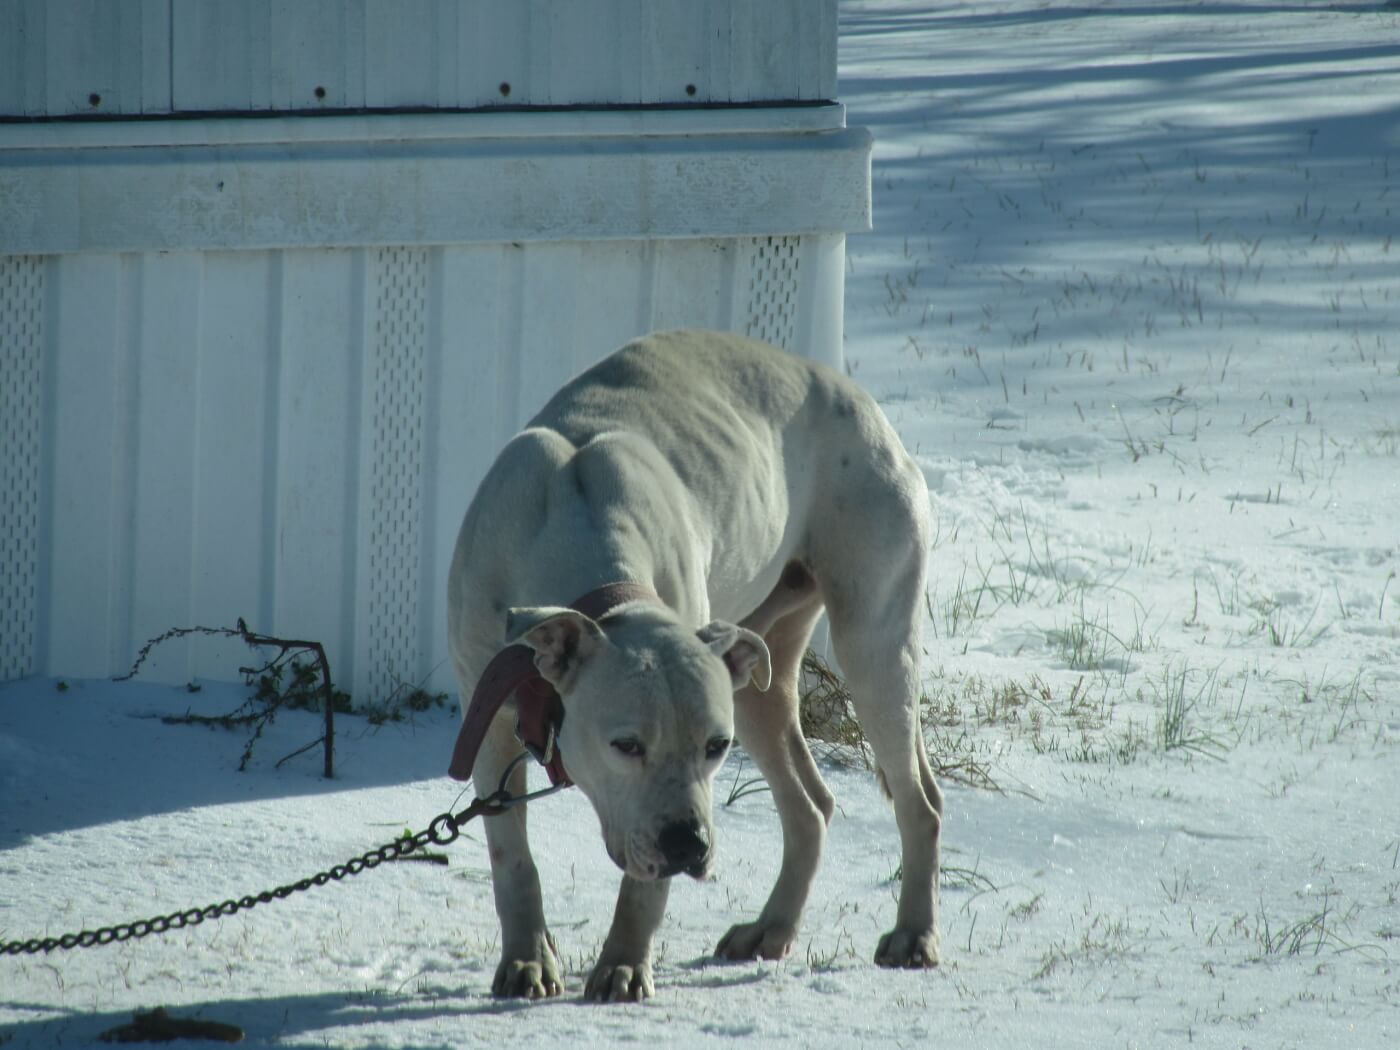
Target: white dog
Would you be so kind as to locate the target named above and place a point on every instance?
(699, 498)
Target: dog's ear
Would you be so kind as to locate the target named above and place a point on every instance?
(562, 639)
(742, 651)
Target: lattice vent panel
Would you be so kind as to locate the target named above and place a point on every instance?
(21, 395)
(773, 290)
(397, 357)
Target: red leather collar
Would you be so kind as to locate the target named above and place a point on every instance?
(538, 710)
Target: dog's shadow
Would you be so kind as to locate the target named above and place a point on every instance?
(295, 1021)
(289, 1021)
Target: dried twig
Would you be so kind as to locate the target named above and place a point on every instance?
(266, 677)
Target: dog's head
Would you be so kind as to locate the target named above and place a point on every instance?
(648, 719)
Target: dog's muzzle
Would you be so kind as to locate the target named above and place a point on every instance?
(683, 848)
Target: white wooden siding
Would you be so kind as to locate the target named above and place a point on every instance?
(130, 57)
(253, 364)
(293, 436)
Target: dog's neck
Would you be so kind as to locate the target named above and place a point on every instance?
(601, 601)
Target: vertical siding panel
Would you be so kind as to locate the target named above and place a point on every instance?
(318, 43)
(318, 399)
(259, 70)
(230, 526)
(739, 47)
(607, 33)
(445, 92)
(509, 327)
(819, 331)
(725, 298)
(487, 59)
(126, 395)
(220, 56)
(804, 59)
(539, 48)
(271, 422)
(289, 63)
(404, 55)
(713, 28)
(674, 50)
(74, 63)
(431, 571)
(48, 551)
(153, 70)
(752, 50)
(471, 358)
(792, 39)
(123, 52)
(622, 83)
(688, 286)
(826, 87)
(353, 49)
(646, 286)
(85, 392)
(547, 333)
(38, 100)
(616, 305)
(199, 71)
(163, 489)
(21, 39)
(117, 51)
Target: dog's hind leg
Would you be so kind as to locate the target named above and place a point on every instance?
(874, 610)
(767, 726)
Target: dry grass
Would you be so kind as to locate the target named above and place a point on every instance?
(826, 715)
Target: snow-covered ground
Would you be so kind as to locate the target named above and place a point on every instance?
(1132, 300)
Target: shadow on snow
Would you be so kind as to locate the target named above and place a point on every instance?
(99, 751)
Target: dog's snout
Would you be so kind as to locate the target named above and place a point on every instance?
(684, 848)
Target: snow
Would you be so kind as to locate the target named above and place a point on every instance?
(1131, 301)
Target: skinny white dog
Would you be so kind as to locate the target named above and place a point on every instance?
(699, 499)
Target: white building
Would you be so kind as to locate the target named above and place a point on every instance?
(278, 279)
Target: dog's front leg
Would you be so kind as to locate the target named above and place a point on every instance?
(623, 972)
(529, 966)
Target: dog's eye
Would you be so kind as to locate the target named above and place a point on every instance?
(717, 747)
(629, 746)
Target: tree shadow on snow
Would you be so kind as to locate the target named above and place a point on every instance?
(1137, 198)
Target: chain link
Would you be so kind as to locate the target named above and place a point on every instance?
(443, 831)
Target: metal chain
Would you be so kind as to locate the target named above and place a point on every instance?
(443, 831)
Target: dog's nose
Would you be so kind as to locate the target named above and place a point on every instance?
(683, 847)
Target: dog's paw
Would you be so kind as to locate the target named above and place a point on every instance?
(526, 979)
(908, 949)
(609, 983)
(757, 940)
(529, 978)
